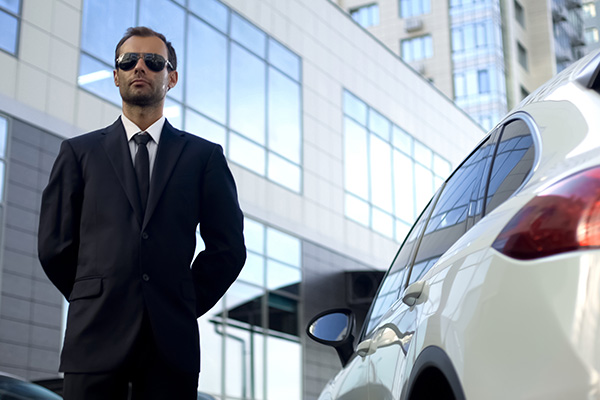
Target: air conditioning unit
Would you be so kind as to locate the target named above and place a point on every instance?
(413, 24)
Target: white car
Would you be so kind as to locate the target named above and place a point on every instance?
(495, 293)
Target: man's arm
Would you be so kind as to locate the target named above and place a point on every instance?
(58, 234)
(222, 229)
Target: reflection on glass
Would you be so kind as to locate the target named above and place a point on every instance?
(283, 314)
(207, 58)
(170, 21)
(381, 173)
(331, 327)
(212, 11)
(383, 222)
(283, 277)
(284, 116)
(355, 108)
(103, 24)
(404, 187)
(284, 172)
(357, 209)
(9, 29)
(379, 125)
(356, 163)
(98, 78)
(423, 185)
(247, 94)
(248, 35)
(284, 383)
(211, 343)
(11, 5)
(246, 153)
(254, 236)
(402, 140)
(254, 269)
(283, 247)
(174, 113)
(284, 59)
(205, 128)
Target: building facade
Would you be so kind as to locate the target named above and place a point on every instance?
(487, 55)
(335, 144)
(591, 23)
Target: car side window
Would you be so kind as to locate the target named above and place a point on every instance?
(512, 163)
(393, 283)
(457, 201)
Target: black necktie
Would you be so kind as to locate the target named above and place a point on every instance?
(142, 166)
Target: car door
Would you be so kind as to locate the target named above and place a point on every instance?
(388, 338)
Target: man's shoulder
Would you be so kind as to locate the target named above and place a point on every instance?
(194, 139)
(93, 136)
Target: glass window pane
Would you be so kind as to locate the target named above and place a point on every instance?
(284, 59)
(441, 167)
(254, 269)
(402, 140)
(211, 342)
(407, 50)
(423, 185)
(404, 187)
(206, 88)
(2, 168)
(246, 153)
(9, 30)
(248, 35)
(383, 223)
(356, 165)
(11, 5)
(97, 77)
(379, 124)
(355, 108)
(205, 128)
(104, 23)
(381, 173)
(423, 154)
(212, 11)
(357, 210)
(174, 113)
(283, 383)
(3, 134)
(254, 235)
(170, 21)
(284, 172)
(284, 116)
(247, 94)
(283, 247)
(283, 277)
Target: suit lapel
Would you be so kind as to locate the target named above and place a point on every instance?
(116, 147)
(170, 146)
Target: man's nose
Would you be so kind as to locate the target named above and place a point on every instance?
(140, 64)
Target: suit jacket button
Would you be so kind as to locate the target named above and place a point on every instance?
(144, 235)
(145, 277)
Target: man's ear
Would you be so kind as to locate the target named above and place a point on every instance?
(173, 78)
(116, 77)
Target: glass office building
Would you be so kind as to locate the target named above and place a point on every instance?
(335, 145)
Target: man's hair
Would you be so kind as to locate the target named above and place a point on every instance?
(147, 32)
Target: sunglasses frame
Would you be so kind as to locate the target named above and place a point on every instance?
(143, 57)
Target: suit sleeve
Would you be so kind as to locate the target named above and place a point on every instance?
(58, 233)
(221, 228)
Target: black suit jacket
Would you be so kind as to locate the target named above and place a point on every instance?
(111, 262)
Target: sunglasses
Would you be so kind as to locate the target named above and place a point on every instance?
(155, 62)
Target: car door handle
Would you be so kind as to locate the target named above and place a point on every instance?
(365, 348)
(415, 293)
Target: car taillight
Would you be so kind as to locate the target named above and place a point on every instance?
(564, 217)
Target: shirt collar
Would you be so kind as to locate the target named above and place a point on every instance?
(153, 130)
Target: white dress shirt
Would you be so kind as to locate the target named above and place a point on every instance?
(154, 131)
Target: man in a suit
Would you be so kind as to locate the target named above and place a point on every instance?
(117, 236)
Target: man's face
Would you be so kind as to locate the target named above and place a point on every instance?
(140, 86)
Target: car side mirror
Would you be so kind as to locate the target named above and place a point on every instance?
(334, 328)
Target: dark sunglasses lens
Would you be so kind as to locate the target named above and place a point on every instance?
(155, 62)
(128, 61)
